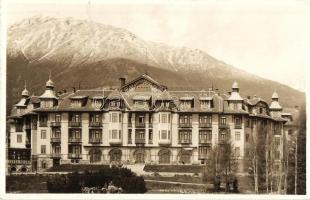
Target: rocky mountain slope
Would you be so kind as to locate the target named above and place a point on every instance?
(94, 55)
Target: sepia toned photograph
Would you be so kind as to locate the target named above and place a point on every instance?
(189, 97)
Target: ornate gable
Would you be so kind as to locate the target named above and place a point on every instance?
(143, 83)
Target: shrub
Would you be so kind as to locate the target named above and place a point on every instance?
(121, 177)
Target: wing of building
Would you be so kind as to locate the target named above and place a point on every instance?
(140, 122)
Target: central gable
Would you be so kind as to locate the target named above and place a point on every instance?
(143, 83)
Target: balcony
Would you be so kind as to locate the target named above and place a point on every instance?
(75, 124)
(139, 140)
(164, 141)
(205, 125)
(224, 126)
(55, 139)
(55, 155)
(27, 126)
(238, 126)
(185, 141)
(55, 124)
(115, 141)
(185, 125)
(95, 124)
(43, 124)
(140, 125)
(75, 140)
(74, 155)
(205, 141)
(19, 129)
(202, 156)
(95, 140)
(21, 162)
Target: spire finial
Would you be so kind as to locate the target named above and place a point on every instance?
(25, 85)
(50, 75)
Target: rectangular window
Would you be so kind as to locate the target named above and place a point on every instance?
(58, 118)
(164, 118)
(277, 140)
(75, 133)
(185, 119)
(129, 136)
(204, 151)
(237, 136)
(277, 155)
(247, 137)
(116, 134)
(248, 123)
(43, 134)
(185, 135)
(238, 121)
(114, 117)
(150, 134)
(164, 134)
(43, 149)
(223, 121)
(19, 138)
(237, 151)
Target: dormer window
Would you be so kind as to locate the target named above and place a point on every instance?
(97, 102)
(78, 101)
(114, 103)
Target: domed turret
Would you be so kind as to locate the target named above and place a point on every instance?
(275, 102)
(49, 92)
(275, 96)
(235, 96)
(25, 92)
(235, 87)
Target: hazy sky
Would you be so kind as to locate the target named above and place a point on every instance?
(271, 40)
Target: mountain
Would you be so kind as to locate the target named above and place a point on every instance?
(89, 54)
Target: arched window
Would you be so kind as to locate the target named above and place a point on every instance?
(115, 156)
(13, 169)
(184, 157)
(95, 155)
(139, 156)
(164, 156)
(23, 169)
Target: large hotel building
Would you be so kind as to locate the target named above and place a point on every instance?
(140, 122)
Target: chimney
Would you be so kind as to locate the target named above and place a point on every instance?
(122, 81)
(229, 93)
(249, 97)
(73, 89)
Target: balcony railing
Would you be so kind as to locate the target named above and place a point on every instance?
(140, 125)
(75, 140)
(55, 124)
(74, 155)
(129, 125)
(202, 156)
(55, 139)
(150, 125)
(277, 132)
(56, 155)
(27, 126)
(204, 141)
(139, 140)
(150, 141)
(129, 141)
(23, 162)
(223, 126)
(75, 124)
(185, 141)
(185, 125)
(164, 141)
(19, 129)
(95, 124)
(238, 126)
(43, 124)
(95, 140)
(115, 141)
(205, 125)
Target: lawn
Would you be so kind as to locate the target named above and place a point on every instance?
(176, 178)
(26, 184)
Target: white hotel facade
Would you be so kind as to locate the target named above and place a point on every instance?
(140, 122)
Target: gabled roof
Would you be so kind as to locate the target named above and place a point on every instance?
(144, 77)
